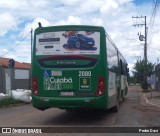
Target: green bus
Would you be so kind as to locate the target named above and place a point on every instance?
(75, 67)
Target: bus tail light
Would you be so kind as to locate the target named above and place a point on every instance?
(35, 90)
(101, 86)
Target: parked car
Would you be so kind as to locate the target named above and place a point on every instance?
(80, 40)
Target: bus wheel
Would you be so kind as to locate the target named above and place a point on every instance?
(122, 99)
(116, 108)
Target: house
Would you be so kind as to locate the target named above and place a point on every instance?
(157, 69)
(18, 77)
(4, 63)
(151, 81)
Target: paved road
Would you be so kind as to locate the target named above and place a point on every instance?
(133, 113)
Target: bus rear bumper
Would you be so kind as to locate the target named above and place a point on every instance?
(43, 103)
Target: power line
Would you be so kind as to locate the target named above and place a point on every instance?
(16, 45)
(152, 19)
(155, 6)
(152, 54)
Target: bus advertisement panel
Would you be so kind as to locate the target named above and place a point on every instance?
(67, 43)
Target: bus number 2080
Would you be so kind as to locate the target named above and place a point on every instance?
(84, 73)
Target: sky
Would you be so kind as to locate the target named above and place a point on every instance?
(19, 16)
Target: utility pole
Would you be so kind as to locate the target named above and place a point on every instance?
(31, 54)
(31, 43)
(157, 61)
(141, 37)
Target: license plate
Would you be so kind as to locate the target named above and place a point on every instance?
(67, 93)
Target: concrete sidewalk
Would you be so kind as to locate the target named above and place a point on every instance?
(152, 98)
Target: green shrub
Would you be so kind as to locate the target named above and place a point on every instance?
(8, 101)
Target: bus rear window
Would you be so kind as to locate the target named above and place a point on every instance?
(67, 61)
(68, 43)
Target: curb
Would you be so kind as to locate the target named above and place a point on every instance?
(14, 105)
(147, 101)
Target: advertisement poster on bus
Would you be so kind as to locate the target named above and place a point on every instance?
(68, 43)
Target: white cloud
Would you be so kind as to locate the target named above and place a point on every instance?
(121, 2)
(114, 15)
(130, 65)
(155, 40)
(3, 51)
(70, 2)
(108, 6)
(20, 53)
(33, 25)
(71, 20)
(12, 5)
(74, 20)
(8, 22)
(38, 3)
(97, 21)
(91, 7)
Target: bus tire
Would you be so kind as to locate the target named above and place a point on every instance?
(123, 99)
(116, 108)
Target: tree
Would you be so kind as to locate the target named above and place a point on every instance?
(132, 80)
(142, 70)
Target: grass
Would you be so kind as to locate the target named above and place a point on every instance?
(8, 101)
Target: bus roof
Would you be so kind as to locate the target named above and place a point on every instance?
(75, 27)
